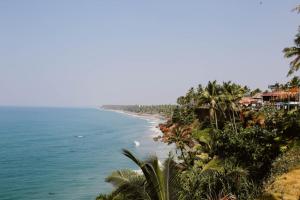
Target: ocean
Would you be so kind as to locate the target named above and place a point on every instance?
(66, 153)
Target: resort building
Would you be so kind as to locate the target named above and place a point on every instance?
(280, 98)
(254, 101)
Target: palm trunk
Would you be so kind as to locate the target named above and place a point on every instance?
(183, 156)
(216, 120)
(234, 124)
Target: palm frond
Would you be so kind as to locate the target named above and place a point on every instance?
(121, 177)
(291, 51)
(171, 179)
(214, 165)
(127, 183)
(132, 157)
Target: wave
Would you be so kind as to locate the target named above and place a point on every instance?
(137, 143)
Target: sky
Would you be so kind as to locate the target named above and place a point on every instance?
(94, 52)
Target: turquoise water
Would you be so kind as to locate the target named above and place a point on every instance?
(65, 153)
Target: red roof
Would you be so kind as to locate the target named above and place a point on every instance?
(281, 93)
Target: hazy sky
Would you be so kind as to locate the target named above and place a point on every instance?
(77, 53)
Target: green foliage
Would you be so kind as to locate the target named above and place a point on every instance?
(213, 184)
(128, 184)
(203, 136)
(203, 149)
(287, 161)
(155, 183)
(224, 151)
(252, 141)
(183, 115)
(253, 148)
(110, 197)
(294, 82)
(220, 101)
(227, 156)
(287, 123)
(284, 175)
(176, 116)
(254, 92)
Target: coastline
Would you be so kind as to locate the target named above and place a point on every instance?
(161, 150)
(153, 119)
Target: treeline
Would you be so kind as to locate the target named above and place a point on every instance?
(164, 110)
(226, 149)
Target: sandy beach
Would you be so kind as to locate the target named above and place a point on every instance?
(153, 119)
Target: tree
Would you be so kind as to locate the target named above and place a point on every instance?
(155, 183)
(210, 97)
(294, 82)
(254, 92)
(128, 184)
(294, 52)
(231, 94)
(176, 116)
(181, 138)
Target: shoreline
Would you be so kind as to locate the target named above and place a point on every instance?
(153, 119)
(140, 115)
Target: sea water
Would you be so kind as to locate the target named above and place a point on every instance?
(66, 153)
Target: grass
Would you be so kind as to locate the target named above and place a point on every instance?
(284, 182)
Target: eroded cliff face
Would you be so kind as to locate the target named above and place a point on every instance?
(284, 183)
(174, 133)
(285, 187)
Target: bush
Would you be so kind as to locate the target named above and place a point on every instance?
(253, 148)
(212, 184)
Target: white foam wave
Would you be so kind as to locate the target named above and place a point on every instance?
(138, 171)
(137, 143)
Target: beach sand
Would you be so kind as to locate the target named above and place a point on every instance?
(153, 119)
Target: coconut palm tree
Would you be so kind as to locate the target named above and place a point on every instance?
(231, 94)
(181, 137)
(210, 97)
(294, 82)
(294, 52)
(156, 181)
(129, 184)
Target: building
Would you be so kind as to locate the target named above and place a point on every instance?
(254, 101)
(282, 98)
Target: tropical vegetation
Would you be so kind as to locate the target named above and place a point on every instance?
(224, 150)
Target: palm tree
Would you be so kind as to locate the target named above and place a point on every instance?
(181, 138)
(294, 52)
(294, 82)
(254, 92)
(129, 184)
(231, 94)
(155, 182)
(210, 97)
